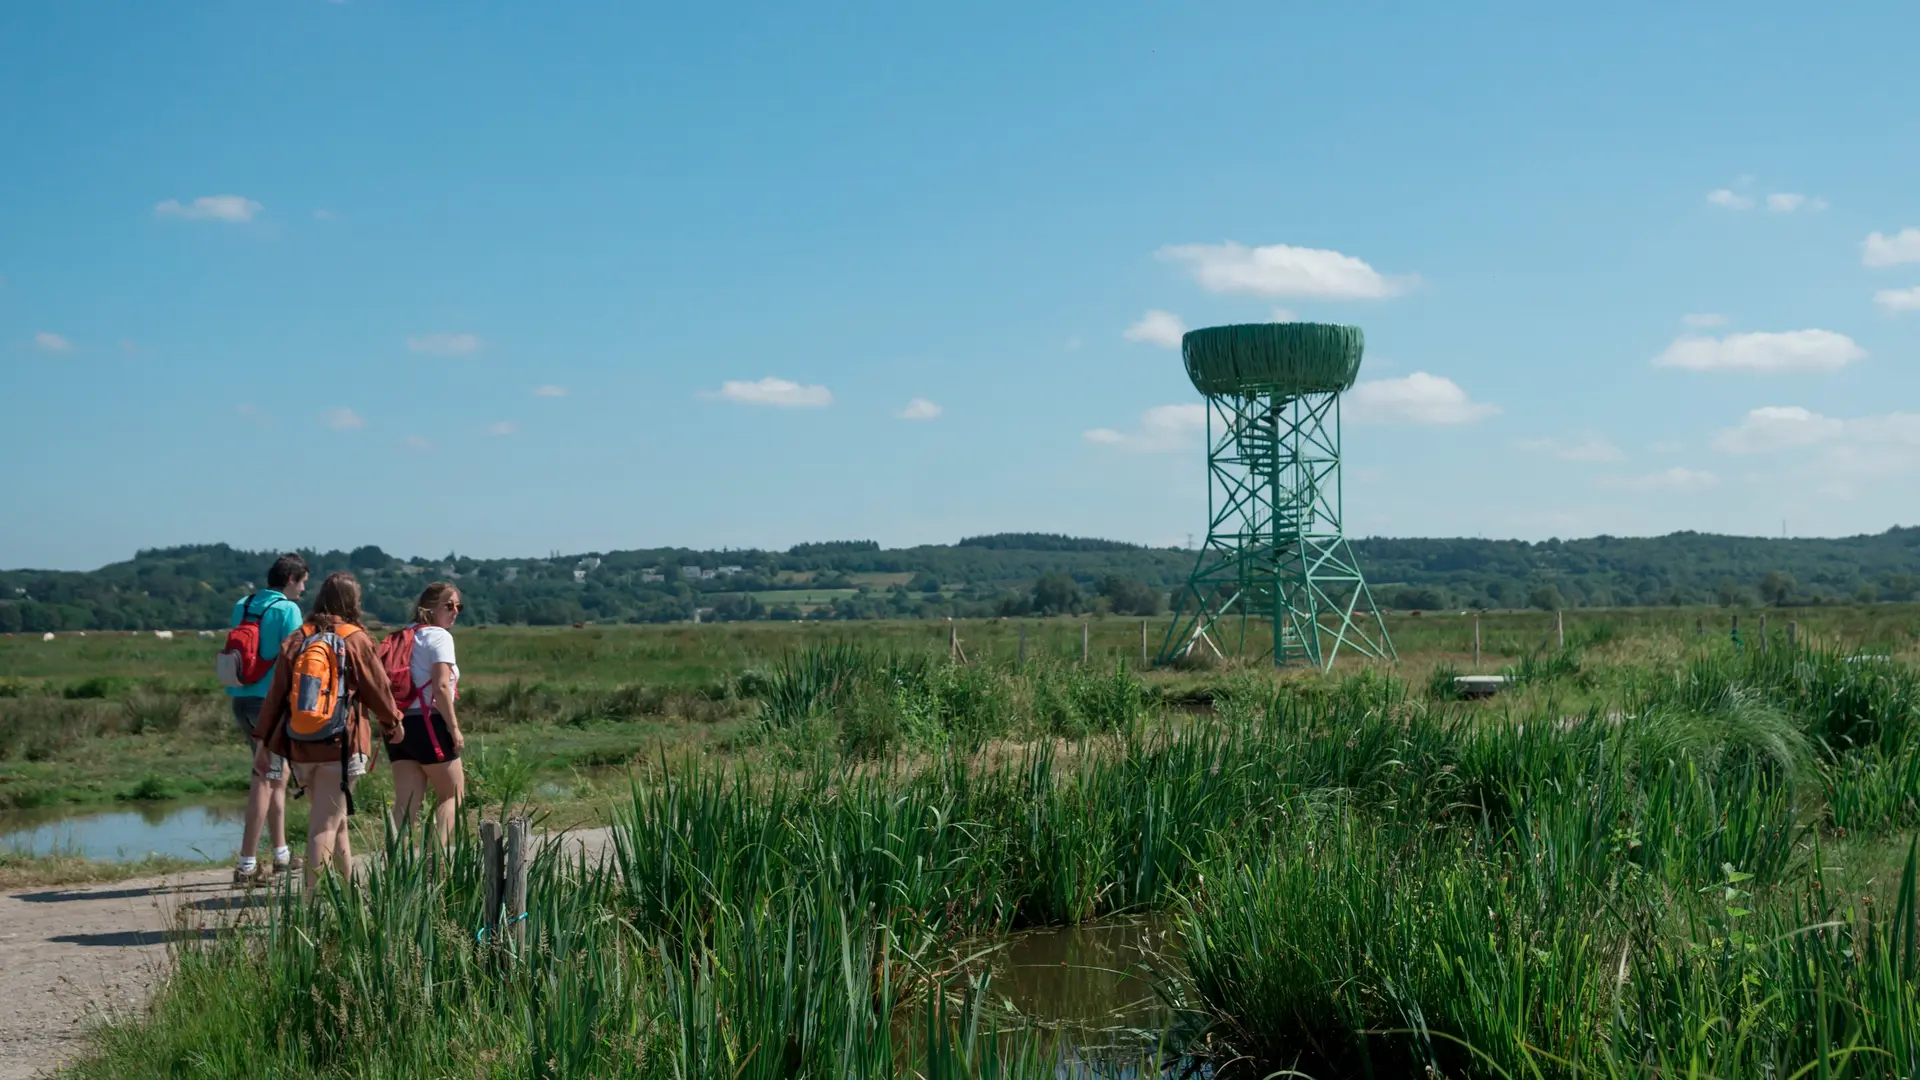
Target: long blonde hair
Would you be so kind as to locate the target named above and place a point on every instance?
(432, 597)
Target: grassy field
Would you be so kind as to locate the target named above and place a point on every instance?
(1658, 855)
(109, 716)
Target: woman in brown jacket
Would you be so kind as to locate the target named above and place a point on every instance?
(326, 769)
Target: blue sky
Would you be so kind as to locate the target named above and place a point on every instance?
(509, 278)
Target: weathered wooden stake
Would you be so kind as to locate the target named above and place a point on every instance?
(1793, 633)
(519, 859)
(1560, 630)
(490, 880)
(1143, 644)
(1085, 650)
(1763, 633)
(1476, 643)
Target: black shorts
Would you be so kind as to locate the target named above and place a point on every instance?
(417, 741)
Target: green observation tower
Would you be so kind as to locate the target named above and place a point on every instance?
(1275, 556)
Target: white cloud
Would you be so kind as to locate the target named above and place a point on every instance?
(780, 392)
(444, 344)
(1281, 314)
(1674, 479)
(1898, 300)
(342, 419)
(1162, 328)
(1726, 199)
(1778, 427)
(52, 342)
(1830, 453)
(1791, 350)
(1284, 270)
(1879, 249)
(1418, 398)
(919, 409)
(229, 208)
(1786, 202)
(502, 427)
(549, 391)
(1163, 428)
(1589, 448)
(1704, 320)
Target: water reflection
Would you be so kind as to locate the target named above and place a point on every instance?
(132, 831)
(1090, 985)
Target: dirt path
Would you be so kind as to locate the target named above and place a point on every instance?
(70, 956)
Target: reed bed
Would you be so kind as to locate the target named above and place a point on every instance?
(1362, 882)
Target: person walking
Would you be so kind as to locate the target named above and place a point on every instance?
(261, 621)
(428, 752)
(327, 679)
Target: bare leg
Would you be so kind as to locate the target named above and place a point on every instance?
(327, 823)
(409, 789)
(277, 811)
(449, 789)
(259, 804)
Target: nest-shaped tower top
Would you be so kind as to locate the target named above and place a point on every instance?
(1282, 359)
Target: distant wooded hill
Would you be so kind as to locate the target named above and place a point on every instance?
(1003, 574)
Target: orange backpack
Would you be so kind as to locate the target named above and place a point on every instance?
(320, 701)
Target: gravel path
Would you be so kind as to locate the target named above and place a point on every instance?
(72, 956)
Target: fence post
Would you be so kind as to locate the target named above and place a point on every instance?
(519, 855)
(1143, 644)
(1560, 630)
(490, 879)
(1084, 649)
(1763, 633)
(1476, 642)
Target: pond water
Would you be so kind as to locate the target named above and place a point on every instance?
(1089, 985)
(131, 831)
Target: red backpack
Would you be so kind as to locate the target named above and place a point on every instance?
(240, 663)
(396, 657)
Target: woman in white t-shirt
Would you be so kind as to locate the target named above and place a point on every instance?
(428, 752)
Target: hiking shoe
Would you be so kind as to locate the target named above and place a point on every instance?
(293, 863)
(247, 879)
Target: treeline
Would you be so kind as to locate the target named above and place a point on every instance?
(1004, 574)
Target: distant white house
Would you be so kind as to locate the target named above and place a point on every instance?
(694, 573)
(579, 575)
(591, 562)
(729, 571)
(650, 576)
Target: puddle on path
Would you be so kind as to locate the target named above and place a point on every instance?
(208, 831)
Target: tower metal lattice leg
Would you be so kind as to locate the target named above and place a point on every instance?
(1275, 553)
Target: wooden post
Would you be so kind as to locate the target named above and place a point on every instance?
(1084, 649)
(1793, 633)
(519, 856)
(1763, 633)
(1476, 643)
(490, 879)
(1143, 644)
(1560, 630)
